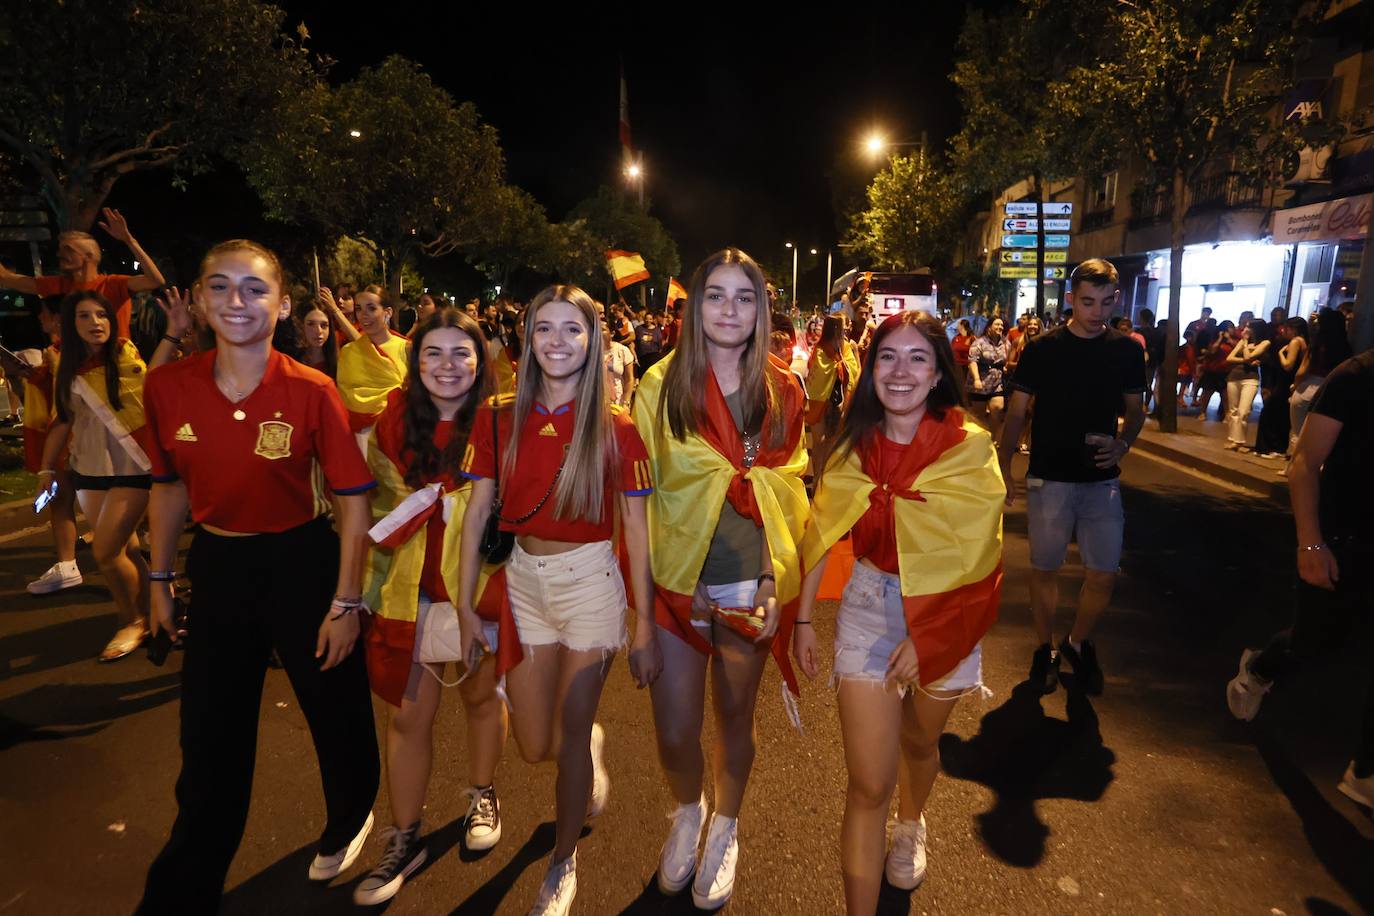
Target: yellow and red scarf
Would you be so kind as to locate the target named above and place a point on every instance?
(694, 477)
(367, 374)
(822, 374)
(392, 585)
(40, 409)
(944, 505)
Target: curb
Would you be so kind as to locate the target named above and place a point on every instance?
(1151, 447)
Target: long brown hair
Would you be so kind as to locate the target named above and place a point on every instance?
(76, 351)
(582, 485)
(422, 417)
(865, 412)
(832, 336)
(683, 396)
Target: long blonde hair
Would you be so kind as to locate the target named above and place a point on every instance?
(582, 485)
(683, 397)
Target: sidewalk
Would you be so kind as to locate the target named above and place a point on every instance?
(1200, 446)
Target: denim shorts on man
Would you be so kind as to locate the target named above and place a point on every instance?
(1058, 511)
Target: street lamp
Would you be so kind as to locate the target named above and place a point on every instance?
(355, 134)
(635, 173)
(877, 143)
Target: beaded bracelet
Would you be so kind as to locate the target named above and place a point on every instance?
(162, 575)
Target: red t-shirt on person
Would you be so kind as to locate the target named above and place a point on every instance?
(543, 440)
(431, 575)
(252, 467)
(114, 287)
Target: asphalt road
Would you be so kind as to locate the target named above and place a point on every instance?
(1149, 799)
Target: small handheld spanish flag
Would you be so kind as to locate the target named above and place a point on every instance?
(675, 291)
(626, 267)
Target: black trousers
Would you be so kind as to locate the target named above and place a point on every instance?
(251, 595)
(1322, 623)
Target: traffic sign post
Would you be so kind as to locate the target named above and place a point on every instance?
(1013, 272)
(1016, 256)
(1049, 208)
(1029, 241)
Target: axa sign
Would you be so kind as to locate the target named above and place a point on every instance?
(1304, 101)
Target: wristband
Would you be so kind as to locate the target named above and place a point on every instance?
(768, 576)
(175, 341)
(162, 575)
(802, 623)
(1312, 547)
(47, 471)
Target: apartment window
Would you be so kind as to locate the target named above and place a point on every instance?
(1103, 194)
(1317, 263)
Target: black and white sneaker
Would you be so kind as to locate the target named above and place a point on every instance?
(483, 818)
(1083, 660)
(1044, 672)
(403, 857)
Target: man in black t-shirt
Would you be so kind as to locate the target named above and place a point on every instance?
(1081, 375)
(1333, 510)
(648, 344)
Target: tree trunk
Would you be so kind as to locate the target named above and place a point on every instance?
(1168, 375)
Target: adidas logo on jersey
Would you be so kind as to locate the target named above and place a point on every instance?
(548, 430)
(185, 434)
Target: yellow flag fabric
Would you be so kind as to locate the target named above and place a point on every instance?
(39, 409)
(820, 377)
(626, 267)
(367, 374)
(690, 490)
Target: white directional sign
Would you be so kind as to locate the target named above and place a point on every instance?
(1051, 208)
(1021, 224)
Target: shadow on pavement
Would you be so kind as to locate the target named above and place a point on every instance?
(283, 887)
(1339, 846)
(653, 900)
(53, 712)
(1023, 756)
(45, 648)
(487, 898)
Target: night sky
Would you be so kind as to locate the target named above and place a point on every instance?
(749, 128)
(742, 122)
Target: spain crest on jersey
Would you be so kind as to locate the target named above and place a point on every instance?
(274, 439)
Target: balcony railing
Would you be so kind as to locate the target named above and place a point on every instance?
(1228, 190)
(1096, 220)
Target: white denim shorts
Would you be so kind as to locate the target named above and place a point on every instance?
(575, 598)
(871, 624)
(731, 594)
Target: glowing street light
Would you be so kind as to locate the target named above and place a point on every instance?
(355, 134)
(874, 144)
(634, 171)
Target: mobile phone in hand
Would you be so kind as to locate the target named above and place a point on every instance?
(41, 502)
(475, 653)
(159, 646)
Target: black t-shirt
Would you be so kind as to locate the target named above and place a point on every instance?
(1078, 385)
(648, 343)
(1346, 506)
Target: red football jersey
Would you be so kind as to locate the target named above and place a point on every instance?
(544, 438)
(255, 466)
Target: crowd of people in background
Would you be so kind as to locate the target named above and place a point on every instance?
(515, 492)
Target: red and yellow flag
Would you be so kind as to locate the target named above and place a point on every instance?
(675, 291)
(693, 479)
(945, 505)
(367, 375)
(626, 267)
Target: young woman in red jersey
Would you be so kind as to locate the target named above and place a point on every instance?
(240, 435)
(414, 452)
(917, 484)
(566, 463)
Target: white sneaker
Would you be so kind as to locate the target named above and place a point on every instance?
(906, 862)
(1358, 790)
(678, 859)
(558, 890)
(483, 818)
(601, 781)
(716, 875)
(1245, 692)
(326, 867)
(58, 577)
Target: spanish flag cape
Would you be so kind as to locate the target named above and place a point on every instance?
(503, 369)
(822, 374)
(40, 408)
(944, 506)
(367, 374)
(127, 424)
(392, 584)
(694, 477)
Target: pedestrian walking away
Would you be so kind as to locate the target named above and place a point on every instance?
(566, 461)
(1080, 377)
(238, 435)
(1332, 508)
(723, 423)
(414, 452)
(908, 469)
